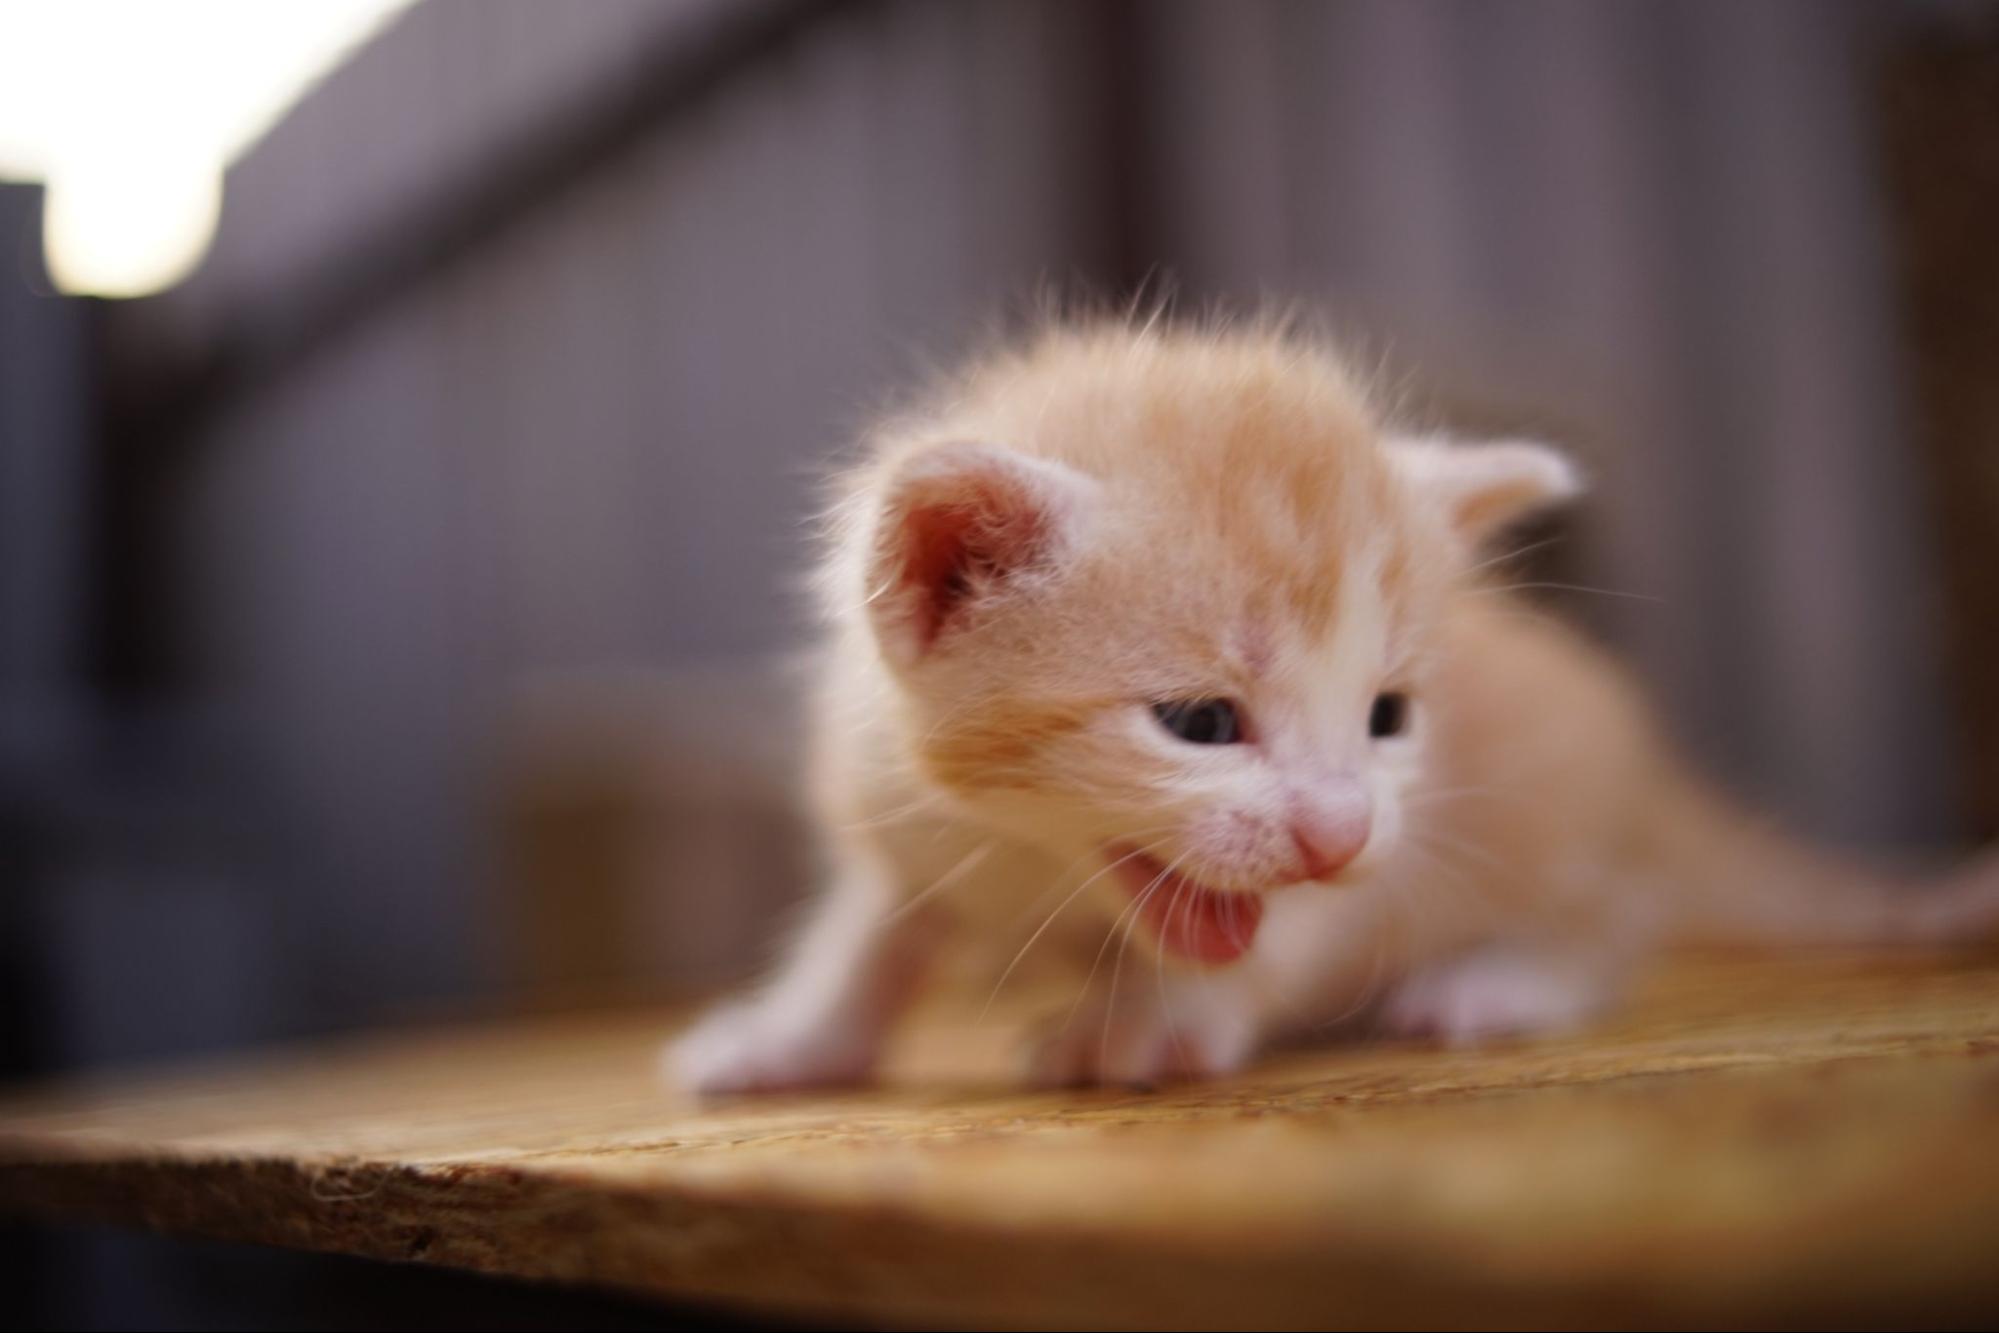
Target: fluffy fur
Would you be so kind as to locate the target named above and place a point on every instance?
(1113, 518)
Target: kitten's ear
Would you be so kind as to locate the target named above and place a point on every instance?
(1484, 488)
(960, 524)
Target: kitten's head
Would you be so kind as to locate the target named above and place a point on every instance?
(1168, 599)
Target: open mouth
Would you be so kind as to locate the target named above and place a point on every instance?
(1189, 918)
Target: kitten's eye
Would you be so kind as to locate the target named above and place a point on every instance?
(1389, 715)
(1201, 721)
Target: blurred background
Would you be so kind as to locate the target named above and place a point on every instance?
(411, 413)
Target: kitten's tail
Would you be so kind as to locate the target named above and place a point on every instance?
(1733, 880)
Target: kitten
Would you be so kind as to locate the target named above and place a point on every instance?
(1171, 630)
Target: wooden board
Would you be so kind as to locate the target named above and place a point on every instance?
(1754, 1141)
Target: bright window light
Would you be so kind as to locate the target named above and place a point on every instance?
(129, 111)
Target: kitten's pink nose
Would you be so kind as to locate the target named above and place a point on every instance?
(1330, 831)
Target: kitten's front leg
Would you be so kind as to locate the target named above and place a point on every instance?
(1500, 991)
(822, 1019)
(1150, 1028)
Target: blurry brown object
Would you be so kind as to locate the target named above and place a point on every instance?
(1941, 130)
(1756, 1142)
(651, 833)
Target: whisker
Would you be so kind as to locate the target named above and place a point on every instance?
(1563, 587)
(956, 874)
(1117, 968)
(1182, 899)
(1467, 899)
(1049, 921)
(1513, 554)
(1055, 884)
(1424, 796)
(890, 816)
(1437, 839)
(1098, 962)
(1376, 976)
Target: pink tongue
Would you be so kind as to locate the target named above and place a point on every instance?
(1202, 924)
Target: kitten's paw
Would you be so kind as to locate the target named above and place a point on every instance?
(1493, 994)
(1141, 1041)
(754, 1046)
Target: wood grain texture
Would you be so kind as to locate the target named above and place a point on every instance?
(1755, 1141)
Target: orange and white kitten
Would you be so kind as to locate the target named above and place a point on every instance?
(1172, 630)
